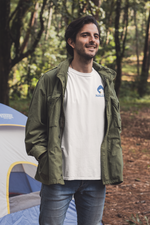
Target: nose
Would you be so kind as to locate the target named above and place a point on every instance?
(92, 38)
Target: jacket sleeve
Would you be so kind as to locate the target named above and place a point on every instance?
(36, 127)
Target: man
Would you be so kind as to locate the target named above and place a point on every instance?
(73, 130)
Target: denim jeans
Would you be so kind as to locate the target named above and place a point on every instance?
(89, 198)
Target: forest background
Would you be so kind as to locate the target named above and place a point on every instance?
(32, 42)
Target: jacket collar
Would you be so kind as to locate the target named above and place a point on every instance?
(63, 68)
(105, 72)
(62, 72)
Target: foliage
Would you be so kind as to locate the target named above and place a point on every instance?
(136, 220)
(21, 105)
(50, 49)
(129, 97)
(21, 27)
(47, 55)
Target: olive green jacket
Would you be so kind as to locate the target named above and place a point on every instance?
(46, 121)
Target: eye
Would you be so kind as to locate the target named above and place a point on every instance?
(84, 35)
(96, 36)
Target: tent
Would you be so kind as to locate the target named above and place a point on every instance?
(19, 191)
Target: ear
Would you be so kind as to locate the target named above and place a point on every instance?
(71, 42)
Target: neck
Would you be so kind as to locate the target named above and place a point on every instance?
(82, 65)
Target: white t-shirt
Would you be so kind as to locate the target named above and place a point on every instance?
(84, 107)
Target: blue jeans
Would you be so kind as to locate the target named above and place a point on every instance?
(89, 198)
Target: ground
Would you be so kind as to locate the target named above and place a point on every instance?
(132, 197)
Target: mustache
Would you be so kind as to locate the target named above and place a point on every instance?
(90, 45)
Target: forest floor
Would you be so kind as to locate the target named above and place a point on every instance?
(131, 199)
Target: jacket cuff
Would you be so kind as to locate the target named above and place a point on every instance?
(37, 150)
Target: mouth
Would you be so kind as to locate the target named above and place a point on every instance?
(90, 46)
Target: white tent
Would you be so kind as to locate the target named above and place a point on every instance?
(18, 190)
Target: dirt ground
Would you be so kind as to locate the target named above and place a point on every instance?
(132, 197)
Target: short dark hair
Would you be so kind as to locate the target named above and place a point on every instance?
(74, 27)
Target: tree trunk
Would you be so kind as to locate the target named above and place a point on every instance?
(5, 61)
(31, 25)
(4, 88)
(142, 86)
(49, 21)
(120, 41)
(118, 48)
(136, 38)
(97, 3)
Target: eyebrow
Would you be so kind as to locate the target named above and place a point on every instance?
(89, 33)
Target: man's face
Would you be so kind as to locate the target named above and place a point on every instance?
(87, 42)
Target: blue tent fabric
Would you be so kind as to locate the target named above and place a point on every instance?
(24, 217)
(10, 116)
(20, 182)
(71, 215)
(31, 215)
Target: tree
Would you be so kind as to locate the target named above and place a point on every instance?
(107, 55)
(11, 27)
(136, 38)
(120, 39)
(142, 85)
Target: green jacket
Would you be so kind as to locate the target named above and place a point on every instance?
(46, 122)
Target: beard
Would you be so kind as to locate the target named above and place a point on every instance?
(86, 56)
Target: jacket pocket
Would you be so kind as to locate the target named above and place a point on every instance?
(43, 165)
(52, 99)
(115, 159)
(116, 112)
(54, 108)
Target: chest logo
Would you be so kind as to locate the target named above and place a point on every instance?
(100, 90)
